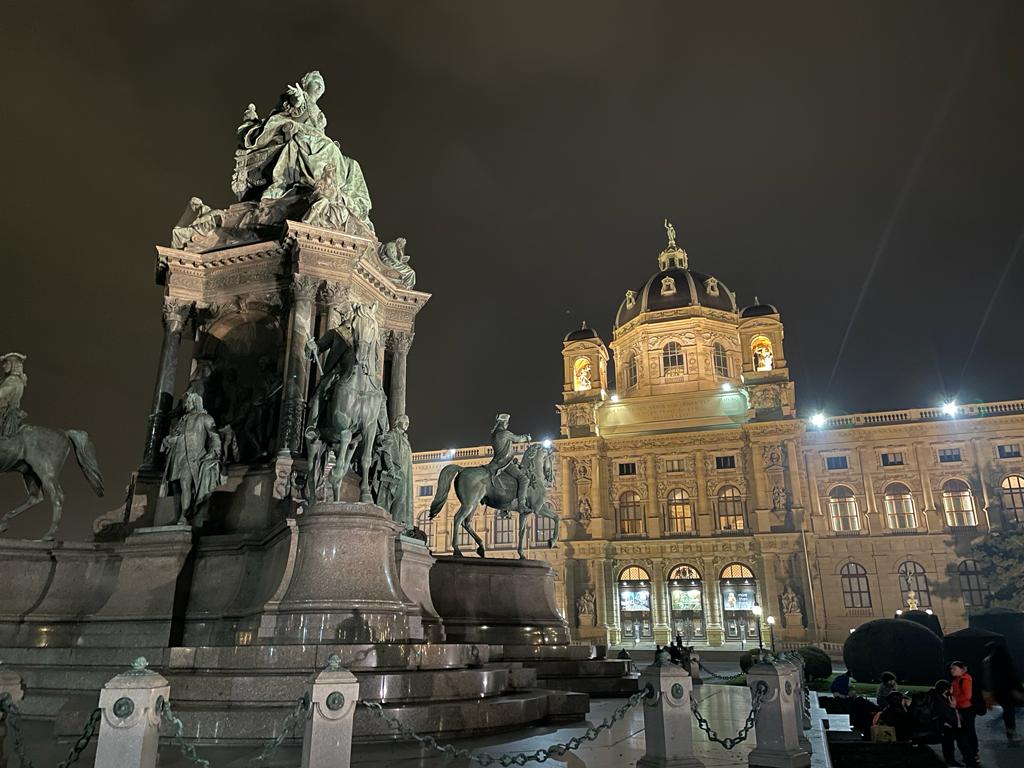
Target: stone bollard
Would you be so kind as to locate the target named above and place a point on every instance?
(130, 725)
(778, 725)
(694, 670)
(329, 722)
(10, 685)
(668, 720)
(803, 719)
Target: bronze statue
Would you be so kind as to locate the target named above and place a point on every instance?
(393, 255)
(393, 473)
(12, 387)
(194, 461)
(503, 460)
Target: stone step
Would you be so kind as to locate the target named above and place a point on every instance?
(547, 669)
(559, 652)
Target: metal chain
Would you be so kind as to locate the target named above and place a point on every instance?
(13, 715)
(290, 723)
(711, 674)
(756, 699)
(188, 751)
(512, 758)
(83, 741)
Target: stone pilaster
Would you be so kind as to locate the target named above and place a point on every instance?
(400, 344)
(175, 315)
(659, 590)
(655, 520)
(296, 383)
(706, 523)
(334, 296)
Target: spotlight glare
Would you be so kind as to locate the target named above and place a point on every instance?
(615, 398)
(727, 387)
(818, 420)
(546, 442)
(950, 408)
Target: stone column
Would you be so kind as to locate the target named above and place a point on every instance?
(713, 603)
(10, 685)
(296, 382)
(334, 296)
(705, 514)
(328, 738)
(778, 732)
(175, 315)
(793, 465)
(603, 521)
(659, 588)
(668, 721)
(400, 345)
(130, 724)
(655, 522)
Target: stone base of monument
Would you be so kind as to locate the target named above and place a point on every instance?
(510, 604)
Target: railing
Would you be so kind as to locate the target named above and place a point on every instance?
(970, 410)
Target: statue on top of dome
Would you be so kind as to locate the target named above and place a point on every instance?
(670, 232)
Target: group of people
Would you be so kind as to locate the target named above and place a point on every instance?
(947, 712)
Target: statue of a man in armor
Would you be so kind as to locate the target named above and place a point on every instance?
(12, 387)
(339, 361)
(503, 443)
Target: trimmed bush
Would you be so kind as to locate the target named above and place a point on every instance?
(908, 650)
(817, 664)
(1005, 622)
(927, 620)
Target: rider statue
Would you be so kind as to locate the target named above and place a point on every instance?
(12, 387)
(503, 444)
(194, 468)
(340, 360)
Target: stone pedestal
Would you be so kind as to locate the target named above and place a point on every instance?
(502, 602)
(778, 722)
(328, 737)
(414, 563)
(130, 726)
(345, 586)
(668, 720)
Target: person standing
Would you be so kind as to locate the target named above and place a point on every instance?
(1002, 682)
(962, 689)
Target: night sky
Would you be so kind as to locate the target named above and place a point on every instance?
(529, 152)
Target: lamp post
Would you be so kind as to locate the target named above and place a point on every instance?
(757, 610)
(771, 630)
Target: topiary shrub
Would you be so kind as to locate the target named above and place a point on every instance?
(969, 646)
(817, 664)
(908, 650)
(925, 619)
(1006, 622)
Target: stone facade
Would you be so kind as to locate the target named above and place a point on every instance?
(693, 499)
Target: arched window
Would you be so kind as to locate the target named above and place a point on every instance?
(737, 571)
(684, 573)
(1013, 497)
(582, 374)
(721, 361)
(958, 504)
(630, 371)
(761, 353)
(505, 531)
(912, 577)
(679, 512)
(731, 512)
(631, 514)
(899, 507)
(672, 359)
(634, 573)
(972, 584)
(842, 509)
(856, 589)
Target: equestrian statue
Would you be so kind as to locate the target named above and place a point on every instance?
(38, 453)
(504, 484)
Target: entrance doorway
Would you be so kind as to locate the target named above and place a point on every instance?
(739, 596)
(686, 603)
(635, 605)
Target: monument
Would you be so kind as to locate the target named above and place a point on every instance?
(264, 529)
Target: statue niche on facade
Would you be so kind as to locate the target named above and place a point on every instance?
(194, 468)
(586, 609)
(38, 453)
(393, 473)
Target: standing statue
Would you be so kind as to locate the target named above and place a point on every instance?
(779, 498)
(500, 491)
(393, 473)
(503, 459)
(194, 467)
(289, 152)
(393, 255)
(586, 605)
(670, 233)
(38, 453)
(912, 604)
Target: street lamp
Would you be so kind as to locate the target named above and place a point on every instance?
(771, 630)
(757, 610)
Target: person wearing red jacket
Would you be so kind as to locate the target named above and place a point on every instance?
(962, 689)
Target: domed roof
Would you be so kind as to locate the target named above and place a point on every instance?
(757, 309)
(676, 287)
(582, 333)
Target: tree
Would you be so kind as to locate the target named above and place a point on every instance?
(1001, 557)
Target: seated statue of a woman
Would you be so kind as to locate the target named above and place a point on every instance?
(289, 151)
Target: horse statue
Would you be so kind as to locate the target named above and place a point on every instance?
(476, 484)
(354, 414)
(39, 453)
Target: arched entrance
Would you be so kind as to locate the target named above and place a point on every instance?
(739, 596)
(686, 603)
(635, 604)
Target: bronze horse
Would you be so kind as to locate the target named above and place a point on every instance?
(39, 453)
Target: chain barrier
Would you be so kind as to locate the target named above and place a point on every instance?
(13, 717)
(188, 751)
(727, 678)
(756, 699)
(289, 724)
(512, 758)
(91, 726)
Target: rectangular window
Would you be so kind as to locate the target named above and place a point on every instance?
(627, 468)
(894, 459)
(504, 530)
(725, 462)
(836, 462)
(1010, 451)
(675, 465)
(949, 455)
(426, 490)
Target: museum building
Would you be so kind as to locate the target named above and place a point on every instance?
(694, 501)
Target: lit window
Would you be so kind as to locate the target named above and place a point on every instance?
(543, 529)
(949, 455)
(725, 462)
(899, 507)
(761, 351)
(912, 577)
(972, 584)
(836, 462)
(581, 374)
(737, 571)
(894, 459)
(842, 509)
(721, 361)
(679, 512)
(675, 465)
(426, 490)
(1013, 497)
(631, 514)
(631, 371)
(684, 573)
(1011, 451)
(504, 530)
(668, 286)
(856, 589)
(672, 359)
(627, 468)
(731, 512)
(634, 573)
(958, 503)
